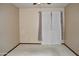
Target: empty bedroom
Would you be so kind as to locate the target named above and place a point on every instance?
(39, 29)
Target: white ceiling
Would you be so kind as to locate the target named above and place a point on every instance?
(56, 5)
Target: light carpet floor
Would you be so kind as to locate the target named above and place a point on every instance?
(41, 50)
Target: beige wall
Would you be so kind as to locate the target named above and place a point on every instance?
(29, 23)
(9, 31)
(72, 27)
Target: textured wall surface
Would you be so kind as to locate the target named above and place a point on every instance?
(9, 27)
(72, 27)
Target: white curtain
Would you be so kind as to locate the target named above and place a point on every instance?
(46, 23)
(51, 27)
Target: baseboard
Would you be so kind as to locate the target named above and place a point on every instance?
(11, 49)
(71, 49)
(29, 43)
